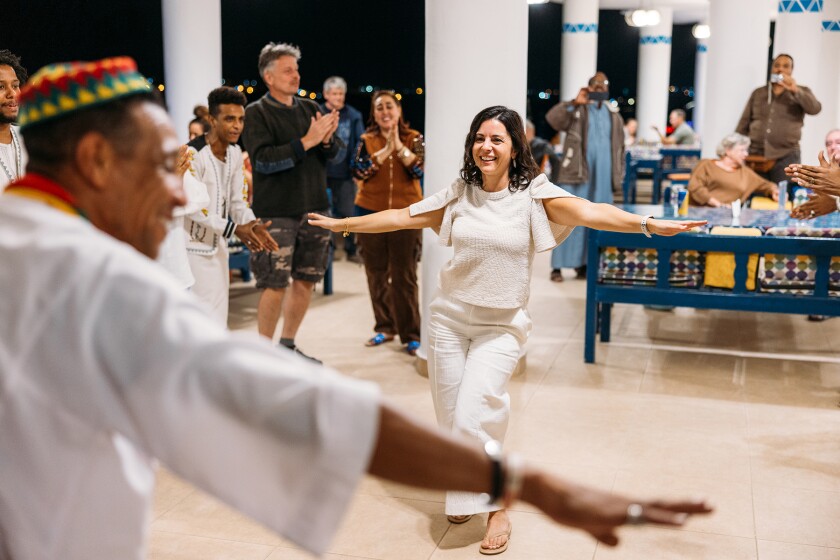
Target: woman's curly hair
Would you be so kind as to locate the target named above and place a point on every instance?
(523, 168)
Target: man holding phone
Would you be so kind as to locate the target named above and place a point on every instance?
(773, 118)
(592, 160)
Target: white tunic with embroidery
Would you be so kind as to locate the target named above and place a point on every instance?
(494, 236)
(225, 181)
(12, 159)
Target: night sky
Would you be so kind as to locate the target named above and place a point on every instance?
(369, 42)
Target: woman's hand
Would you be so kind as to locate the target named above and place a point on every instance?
(395, 138)
(668, 228)
(324, 222)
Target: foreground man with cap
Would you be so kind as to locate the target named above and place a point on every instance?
(105, 364)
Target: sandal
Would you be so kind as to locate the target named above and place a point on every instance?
(412, 347)
(491, 551)
(458, 519)
(379, 338)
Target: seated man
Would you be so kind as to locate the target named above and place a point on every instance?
(683, 134)
(719, 182)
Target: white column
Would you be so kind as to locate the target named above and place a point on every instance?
(580, 46)
(798, 33)
(192, 56)
(736, 64)
(700, 69)
(654, 76)
(460, 82)
(830, 82)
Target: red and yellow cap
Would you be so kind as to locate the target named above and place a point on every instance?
(60, 89)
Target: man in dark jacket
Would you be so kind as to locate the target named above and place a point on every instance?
(592, 161)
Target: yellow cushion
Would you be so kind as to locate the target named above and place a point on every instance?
(720, 267)
(764, 203)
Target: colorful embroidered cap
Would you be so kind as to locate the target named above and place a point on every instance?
(64, 88)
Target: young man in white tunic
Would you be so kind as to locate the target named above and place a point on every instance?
(495, 217)
(217, 162)
(85, 409)
(12, 151)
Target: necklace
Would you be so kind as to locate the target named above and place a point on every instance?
(16, 155)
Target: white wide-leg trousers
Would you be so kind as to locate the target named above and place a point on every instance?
(472, 353)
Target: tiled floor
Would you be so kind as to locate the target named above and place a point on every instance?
(739, 407)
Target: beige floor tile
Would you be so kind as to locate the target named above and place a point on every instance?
(386, 528)
(804, 459)
(533, 537)
(732, 501)
(797, 516)
(610, 374)
(169, 491)
(374, 486)
(674, 364)
(770, 550)
(682, 452)
(665, 544)
(201, 515)
(175, 546)
(692, 414)
(281, 553)
(715, 387)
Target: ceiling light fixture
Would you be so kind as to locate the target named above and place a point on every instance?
(701, 31)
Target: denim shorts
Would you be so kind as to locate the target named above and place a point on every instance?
(302, 255)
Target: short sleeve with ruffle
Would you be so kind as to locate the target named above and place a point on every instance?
(545, 233)
(442, 199)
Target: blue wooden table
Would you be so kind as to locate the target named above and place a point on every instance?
(600, 297)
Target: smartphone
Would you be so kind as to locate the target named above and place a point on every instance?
(776, 78)
(599, 95)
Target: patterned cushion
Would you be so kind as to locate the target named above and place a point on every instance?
(795, 274)
(638, 267)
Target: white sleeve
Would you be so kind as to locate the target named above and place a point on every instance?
(271, 434)
(240, 212)
(442, 199)
(545, 233)
(196, 194)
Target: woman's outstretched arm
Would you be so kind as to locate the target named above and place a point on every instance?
(570, 211)
(379, 222)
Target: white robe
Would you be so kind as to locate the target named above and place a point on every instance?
(173, 251)
(105, 364)
(210, 228)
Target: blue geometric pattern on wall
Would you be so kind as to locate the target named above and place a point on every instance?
(831, 25)
(702, 48)
(655, 40)
(580, 28)
(799, 6)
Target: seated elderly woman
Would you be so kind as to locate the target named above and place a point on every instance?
(719, 182)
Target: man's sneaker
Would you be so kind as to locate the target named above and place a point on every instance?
(355, 258)
(297, 351)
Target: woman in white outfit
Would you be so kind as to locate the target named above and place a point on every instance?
(496, 216)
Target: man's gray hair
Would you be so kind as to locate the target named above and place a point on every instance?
(730, 141)
(680, 113)
(335, 82)
(273, 51)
